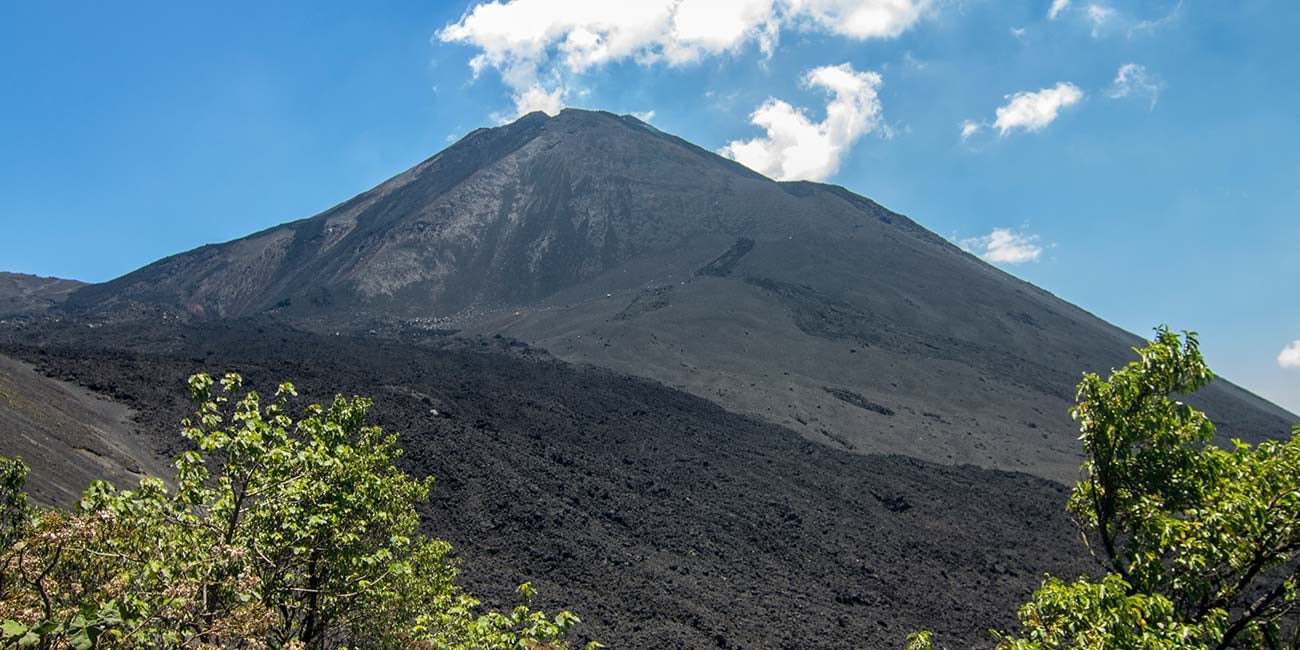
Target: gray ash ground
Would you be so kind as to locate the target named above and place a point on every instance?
(663, 520)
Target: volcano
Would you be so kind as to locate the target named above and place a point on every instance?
(608, 242)
(688, 402)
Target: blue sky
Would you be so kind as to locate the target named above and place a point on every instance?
(1141, 160)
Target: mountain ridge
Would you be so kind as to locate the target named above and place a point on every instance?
(25, 294)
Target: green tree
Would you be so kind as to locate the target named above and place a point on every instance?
(278, 534)
(1200, 545)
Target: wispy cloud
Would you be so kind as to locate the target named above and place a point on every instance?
(1156, 24)
(1289, 357)
(1029, 111)
(1004, 246)
(1106, 20)
(540, 46)
(1133, 80)
(795, 146)
(1057, 7)
(1099, 16)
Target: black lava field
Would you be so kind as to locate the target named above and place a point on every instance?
(663, 520)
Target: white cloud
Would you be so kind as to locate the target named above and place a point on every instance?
(536, 98)
(1002, 246)
(1057, 7)
(1031, 111)
(969, 128)
(538, 46)
(1289, 357)
(795, 147)
(858, 18)
(1018, 32)
(1133, 80)
(644, 116)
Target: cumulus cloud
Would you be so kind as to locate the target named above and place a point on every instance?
(536, 98)
(795, 146)
(857, 18)
(1032, 111)
(1133, 80)
(538, 46)
(1057, 7)
(1289, 357)
(1028, 111)
(1003, 246)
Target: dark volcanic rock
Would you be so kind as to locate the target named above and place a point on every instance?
(725, 263)
(858, 400)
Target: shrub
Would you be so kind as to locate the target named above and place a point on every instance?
(274, 533)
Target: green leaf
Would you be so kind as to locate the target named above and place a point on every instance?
(12, 629)
(83, 638)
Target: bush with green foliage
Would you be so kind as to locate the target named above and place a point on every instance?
(275, 533)
(14, 509)
(1200, 545)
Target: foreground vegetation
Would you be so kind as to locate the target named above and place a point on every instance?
(1199, 546)
(274, 533)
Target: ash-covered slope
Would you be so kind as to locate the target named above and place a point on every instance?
(22, 294)
(606, 241)
(68, 436)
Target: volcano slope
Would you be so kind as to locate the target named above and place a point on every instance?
(664, 520)
(605, 241)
